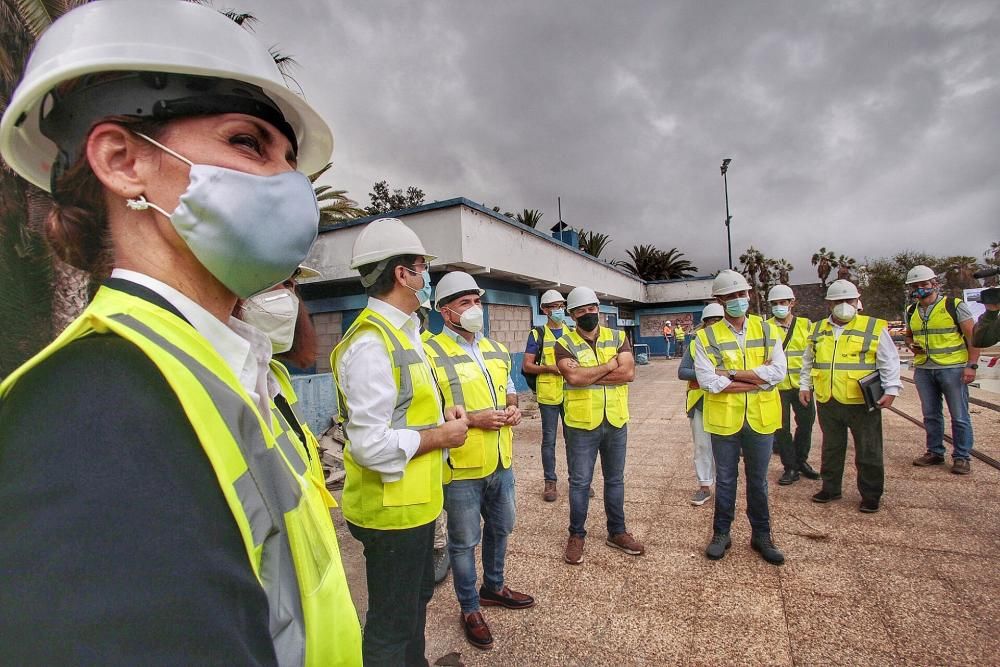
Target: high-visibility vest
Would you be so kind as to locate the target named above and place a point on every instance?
(694, 391)
(417, 498)
(795, 350)
(426, 335)
(587, 407)
(284, 521)
(548, 386)
(939, 335)
(726, 414)
(463, 382)
(839, 364)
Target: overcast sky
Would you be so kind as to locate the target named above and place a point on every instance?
(868, 127)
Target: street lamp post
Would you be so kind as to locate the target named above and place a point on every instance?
(725, 185)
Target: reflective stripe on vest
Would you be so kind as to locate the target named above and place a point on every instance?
(795, 351)
(549, 388)
(587, 407)
(725, 414)
(463, 382)
(694, 392)
(838, 363)
(417, 498)
(295, 558)
(939, 336)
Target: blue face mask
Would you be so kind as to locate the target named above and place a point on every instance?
(560, 316)
(737, 307)
(781, 312)
(922, 292)
(228, 220)
(424, 293)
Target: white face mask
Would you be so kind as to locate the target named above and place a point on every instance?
(275, 314)
(471, 320)
(844, 312)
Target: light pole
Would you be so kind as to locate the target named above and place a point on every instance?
(725, 185)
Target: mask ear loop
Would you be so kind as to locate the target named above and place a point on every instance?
(140, 203)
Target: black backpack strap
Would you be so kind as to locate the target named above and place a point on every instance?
(951, 305)
(789, 333)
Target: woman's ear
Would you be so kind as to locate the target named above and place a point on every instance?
(117, 158)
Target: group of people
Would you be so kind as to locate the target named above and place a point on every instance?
(747, 377)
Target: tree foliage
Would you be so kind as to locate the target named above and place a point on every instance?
(593, 243)
(650, 263)
(384, 200)
(334, 205)
(530, 217)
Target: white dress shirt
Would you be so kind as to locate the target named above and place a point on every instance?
(365, 375)
(472, 349)
(245, 349)
(772, 374)
(886, 362)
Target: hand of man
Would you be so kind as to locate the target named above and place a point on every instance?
(513, 415)
(968, 375)
(454, 432)
(885, 401)
(992, 306)
(488, 420)
(613, 363)
(805, 395)
(455, 412)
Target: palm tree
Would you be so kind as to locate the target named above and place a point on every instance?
(992, 257)
(824, 261)
(756, 271)
(673, 267)
(783, 268)
(334, 205)
(530, 217)
(845, 267)
(958, 272)
(593, 243)
(651, 263)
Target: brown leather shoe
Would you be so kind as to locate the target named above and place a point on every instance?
(476, 631)
(961, 467)
(549, 495)
(505, 598)
(626, 543)
(574, 550)
(928, 459)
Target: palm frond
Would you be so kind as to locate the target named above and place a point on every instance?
(35, 14)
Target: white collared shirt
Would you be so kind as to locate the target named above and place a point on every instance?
(365, 375)
(772, 374)
(472, 349)
(244, 349)
(886, 361)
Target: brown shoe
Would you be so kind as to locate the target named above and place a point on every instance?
(961, 467)
(626, 543)
(476, 631)
(574, 550)
(549, 495)
(928, 459)
(505, 598)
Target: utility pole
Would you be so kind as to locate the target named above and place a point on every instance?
(725, 185)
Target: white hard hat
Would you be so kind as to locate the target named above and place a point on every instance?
(729, 281)
(919, 274)
(454, 282)
(842, 289)
(779, 292)
(551, 296)
(713, 310)
(581, 296)
(145, 36)
(385, 238)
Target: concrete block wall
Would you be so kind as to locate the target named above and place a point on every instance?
(510, 325)
(328, 333)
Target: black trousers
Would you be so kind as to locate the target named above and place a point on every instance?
(794, 450)
(400, 570)
(835, 419)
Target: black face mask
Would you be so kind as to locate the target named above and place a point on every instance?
(588, 322)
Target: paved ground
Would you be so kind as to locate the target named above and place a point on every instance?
(915, 584)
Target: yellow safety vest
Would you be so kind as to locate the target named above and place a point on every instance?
(725, 414)
(839, 364)
(283, 519)
(795, 350)
(548, 386)
(463, 382)
(426, 335)
(587, 407)
(417, 498)
(694, 391)
(939, 335)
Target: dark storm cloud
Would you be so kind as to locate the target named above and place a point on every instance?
(867, 127)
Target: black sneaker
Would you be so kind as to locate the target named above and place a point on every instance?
(717, 547)
(789, 477)
(808, 471)
(442, 563)
(764, 545)
(825, 497)
(868, 505)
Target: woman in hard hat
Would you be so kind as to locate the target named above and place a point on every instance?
(174, 528)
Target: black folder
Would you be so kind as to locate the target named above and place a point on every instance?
(871, 389)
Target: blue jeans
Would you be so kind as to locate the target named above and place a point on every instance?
(756, 450)
(466, 500)
(551, 414)
(582, 448)
(932, 384)
(670, 345)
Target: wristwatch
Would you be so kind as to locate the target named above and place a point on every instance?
(974, 367)
(732, 375)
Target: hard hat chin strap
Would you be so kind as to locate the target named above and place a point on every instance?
(368, 279)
